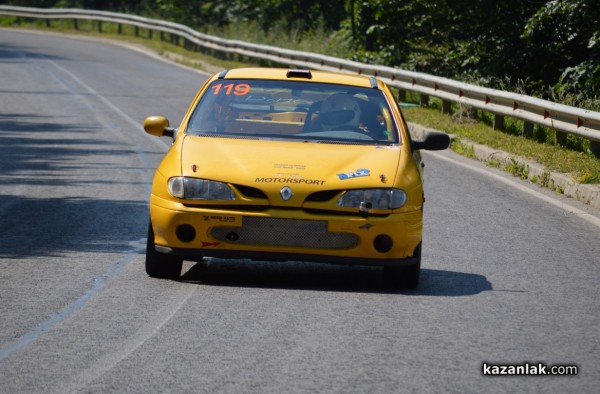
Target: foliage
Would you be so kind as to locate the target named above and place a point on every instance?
(267, 13)
(549, 49)
(567, 35)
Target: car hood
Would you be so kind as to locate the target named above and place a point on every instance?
(305, 167)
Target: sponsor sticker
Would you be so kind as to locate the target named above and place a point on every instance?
(290, 180)
(219, 218)
(287, 166)
(362, 172)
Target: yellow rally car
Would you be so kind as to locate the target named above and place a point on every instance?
(284, 164)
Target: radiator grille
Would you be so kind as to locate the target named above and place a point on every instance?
(284, 232)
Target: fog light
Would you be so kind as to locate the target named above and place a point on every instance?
(383, 243)
(232, 236)
(185, 233)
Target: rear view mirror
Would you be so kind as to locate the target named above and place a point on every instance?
(158, 126)
(432, 140)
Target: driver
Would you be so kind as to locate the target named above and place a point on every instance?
(339, 112)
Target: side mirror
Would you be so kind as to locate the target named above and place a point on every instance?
(158, 126)
(433, 140)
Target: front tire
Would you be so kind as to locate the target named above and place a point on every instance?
(404, 277)
(160, 265)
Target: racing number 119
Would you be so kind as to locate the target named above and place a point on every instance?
(238, 90)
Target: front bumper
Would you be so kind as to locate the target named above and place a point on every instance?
(285, 234)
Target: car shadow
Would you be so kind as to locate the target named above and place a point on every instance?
(323, 277)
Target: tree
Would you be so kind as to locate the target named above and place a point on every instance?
(563, 45)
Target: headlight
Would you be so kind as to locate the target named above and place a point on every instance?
(373, 199)
(199, 189)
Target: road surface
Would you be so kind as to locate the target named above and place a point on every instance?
(510, 272)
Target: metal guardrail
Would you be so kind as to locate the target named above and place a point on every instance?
(562, 118)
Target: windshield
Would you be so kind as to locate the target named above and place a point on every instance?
(292, 110)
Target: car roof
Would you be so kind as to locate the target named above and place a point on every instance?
(286, 74)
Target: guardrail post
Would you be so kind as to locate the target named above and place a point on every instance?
(424, 100)
(150, 34)
(561, 138)
(48, 23)
(446, 107)
(498, 122)
(120, 28)
(595, 148)
(136, 31)
(190, 46)
(401, 96)
(99, 26)
(75, 24)
(528, 130)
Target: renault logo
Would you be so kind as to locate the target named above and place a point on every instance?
(286, 193)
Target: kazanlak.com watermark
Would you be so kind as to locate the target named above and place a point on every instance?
(529, 369)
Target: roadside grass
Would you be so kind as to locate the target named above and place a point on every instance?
(582, 166)
(474, 126)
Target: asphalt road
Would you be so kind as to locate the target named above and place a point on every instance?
(510, 272)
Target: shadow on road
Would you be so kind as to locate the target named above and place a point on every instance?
(61, 184)
(323, 277)
(34, 227)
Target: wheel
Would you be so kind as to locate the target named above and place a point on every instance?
(404, 277)
(159, 265)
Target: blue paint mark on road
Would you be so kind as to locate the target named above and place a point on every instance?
(46, 325)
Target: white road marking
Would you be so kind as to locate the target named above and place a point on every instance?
(516, 185)
(45, 326)
(108, 361)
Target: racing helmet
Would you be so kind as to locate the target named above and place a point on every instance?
(340, 110)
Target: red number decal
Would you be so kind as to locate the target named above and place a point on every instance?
(239, 90)
(242, 89)
(228, 89)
